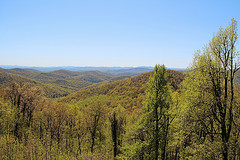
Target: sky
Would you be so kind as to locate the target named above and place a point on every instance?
(109, 32)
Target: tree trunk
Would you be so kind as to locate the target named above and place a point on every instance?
(156, 133)
(114, 134)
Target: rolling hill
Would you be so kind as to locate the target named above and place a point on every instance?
(51, 90)
(62, 82)
(67, 81)
(128, 92)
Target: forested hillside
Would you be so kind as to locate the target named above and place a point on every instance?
(50, 120)
(50, 90)
(163, 114)
(60, 83)
(130, 92)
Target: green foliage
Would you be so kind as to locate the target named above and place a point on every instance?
(156, 116)
(208, 101)
(147, 131)
(162, 114)
(118, 122)
(7, 118)
(130, 92)
(82, 128)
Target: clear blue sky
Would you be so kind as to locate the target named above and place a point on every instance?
(109, 32)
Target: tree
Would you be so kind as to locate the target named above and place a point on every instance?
(96, 111)
(118, 121)
(156, 117)
(222, 48)
(209, 91)
(24, 98)
(197, 127)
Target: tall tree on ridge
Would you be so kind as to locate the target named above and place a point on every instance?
(156, 113)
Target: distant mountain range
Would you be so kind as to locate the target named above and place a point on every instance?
(64, 81)
(112, 70)
(61, 82)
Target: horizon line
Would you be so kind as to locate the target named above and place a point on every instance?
(84, 66)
